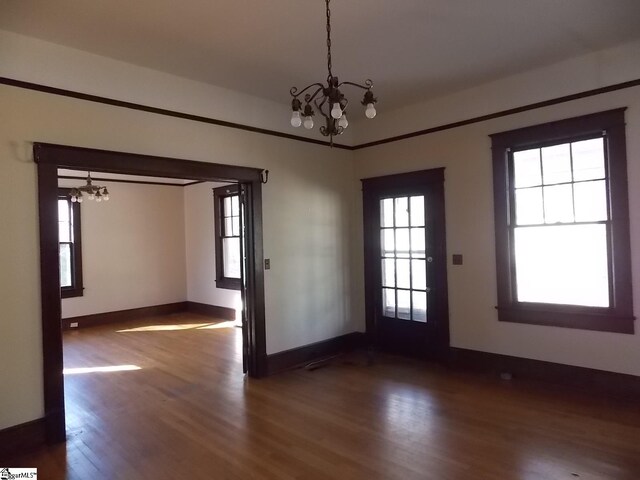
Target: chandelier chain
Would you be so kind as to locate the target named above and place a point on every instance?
(329, 39)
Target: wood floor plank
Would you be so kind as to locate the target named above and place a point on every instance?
(186, 411)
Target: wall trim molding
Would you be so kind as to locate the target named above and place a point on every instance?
(587, 380)
(21, 439)
(202, 119)
(160, 111)
(139, 182)
(297, 357)
(223, 313)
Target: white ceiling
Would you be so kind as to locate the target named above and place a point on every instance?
(412, 49)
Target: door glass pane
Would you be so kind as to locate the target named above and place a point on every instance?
(403, 273)
(402, 212)
(588, 159)
(526, 166)
(388, 242)
(404, 304)
(420, 306)
(231, 257)
(402, 242)
(558, 204)
(529, 206)
(65, 265)
(564, 264)
(386, 212)
(417, 211)
(418, 242)
(389, 302)
(388, 272)
(591, 201)
(556, 164)
(419, 274)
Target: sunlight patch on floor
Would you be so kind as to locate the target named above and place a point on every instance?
(165, 328)
(229, 324)
(111, 368)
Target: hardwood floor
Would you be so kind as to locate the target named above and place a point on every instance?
(188, 412)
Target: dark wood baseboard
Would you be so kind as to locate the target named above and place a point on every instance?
(20, 439)
(124, 315)
(296, 357)
(223, 313)
(578, 378)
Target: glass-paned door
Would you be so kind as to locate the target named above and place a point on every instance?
(403, 258)
(405, 264)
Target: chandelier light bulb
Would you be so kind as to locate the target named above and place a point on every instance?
(343, 122)
(296, 121)
(80, 199)
(74, 199)
(370, 112)
(308, 123)
(92, 196)
(98, 199)
(336, 111)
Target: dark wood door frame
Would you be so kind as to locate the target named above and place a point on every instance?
(405, 184)
(49, 158)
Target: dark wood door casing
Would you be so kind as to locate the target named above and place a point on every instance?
(49, 158)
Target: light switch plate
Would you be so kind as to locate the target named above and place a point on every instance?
(267, 264)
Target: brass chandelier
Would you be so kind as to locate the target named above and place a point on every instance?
(328, 100)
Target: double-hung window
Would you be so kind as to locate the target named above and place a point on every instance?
(562, 224)
(70, 245)
(228, 226)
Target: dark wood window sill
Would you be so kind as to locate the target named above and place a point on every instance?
(71, 292)
(602, 320)
(228, 283)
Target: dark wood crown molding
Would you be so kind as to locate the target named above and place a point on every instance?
(212, 121)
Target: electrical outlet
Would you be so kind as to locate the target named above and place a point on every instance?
(73, 324)
(456, 259)
(267, 263)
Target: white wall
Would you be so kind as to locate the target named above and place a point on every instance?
(466, 154)
(199, 215)
(307, 206)
(133, 249)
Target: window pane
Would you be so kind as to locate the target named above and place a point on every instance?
(386, 212)
(417, 211)
(558, 204)
(588, 159)
(402, 242)
(526, 165)
(419, 274)
(388, 242)
(419, 306)
(65, 265)
(63, 210)
(231, 257)
(227, 207)
(562, 265)
(418, 242)
(404, 304)
(403, 273)
(591, 201)
(556, 164)
(236, 226)
(228, 227)
(64, 232)
(388, 272)
(235, 205)
(389, 302)
(529, 206)
(402, 212)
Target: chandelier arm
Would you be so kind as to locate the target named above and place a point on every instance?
(309, 97)
(295, 93)
(368, 84)
(319, 103)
